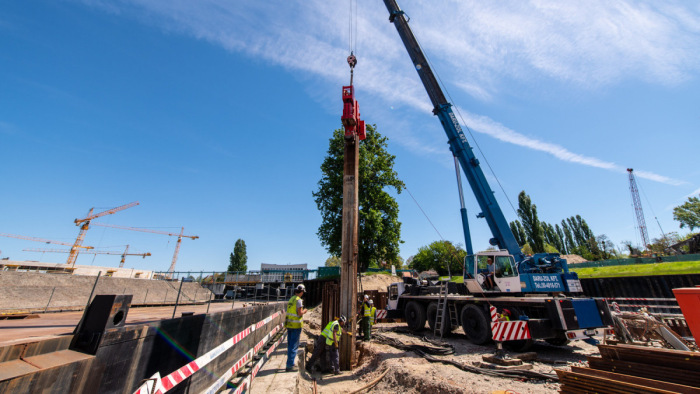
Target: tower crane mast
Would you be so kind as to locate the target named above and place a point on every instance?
(638, 211)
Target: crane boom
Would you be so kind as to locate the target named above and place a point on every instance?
(145, 230)
(490, 210)
(48, 241)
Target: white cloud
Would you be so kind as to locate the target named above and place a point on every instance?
(482, 44)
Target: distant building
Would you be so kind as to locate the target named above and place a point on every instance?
(276, 273)
(62, 268)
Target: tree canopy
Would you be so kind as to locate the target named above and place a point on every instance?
(688, 214)
(437, 256)
(379, 232)
(238, 260)
(572, 237)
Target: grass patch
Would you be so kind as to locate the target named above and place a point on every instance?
(672, 268)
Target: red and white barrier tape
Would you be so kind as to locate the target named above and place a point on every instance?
(165, 384)
(240, 363)
(508, 330)
(246, 383)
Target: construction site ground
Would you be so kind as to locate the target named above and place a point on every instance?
(410, 373)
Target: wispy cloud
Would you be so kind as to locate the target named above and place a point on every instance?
(496, 130)
(589, 44)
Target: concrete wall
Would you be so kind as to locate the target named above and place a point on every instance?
(31, 291)
(128, 355)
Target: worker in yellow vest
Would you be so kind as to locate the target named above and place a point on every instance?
(372, 315)
(327, 344)
(293, 323)
(365, 313)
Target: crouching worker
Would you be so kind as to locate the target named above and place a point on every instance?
(327, 345)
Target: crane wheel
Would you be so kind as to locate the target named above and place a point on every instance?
(415, 316)
(432, 316)
(475, 323)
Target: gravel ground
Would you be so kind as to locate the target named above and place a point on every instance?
(410, 373)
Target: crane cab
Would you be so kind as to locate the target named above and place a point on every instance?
(491, 272)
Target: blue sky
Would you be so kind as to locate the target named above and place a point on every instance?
(216, 115)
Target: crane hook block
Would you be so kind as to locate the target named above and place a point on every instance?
(352, 61)
(351, 115)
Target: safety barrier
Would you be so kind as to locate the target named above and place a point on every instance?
(246, 382)
(159, 385)
(508, 330)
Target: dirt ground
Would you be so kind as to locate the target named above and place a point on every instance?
(378, 282)
(410, 373)
(573, 258)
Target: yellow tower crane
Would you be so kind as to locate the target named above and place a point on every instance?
(177, 246)
(84, 224)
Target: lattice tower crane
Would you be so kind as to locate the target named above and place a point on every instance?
(84, 224)
(177, 246)
(121, 263)
(638, 209)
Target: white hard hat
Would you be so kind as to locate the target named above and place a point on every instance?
(366, 297)
(301, 288)
(371, 302)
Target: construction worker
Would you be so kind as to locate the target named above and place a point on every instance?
(504, 315)
(372, 315)
(293, 323)
(327, 344)
(365, 311)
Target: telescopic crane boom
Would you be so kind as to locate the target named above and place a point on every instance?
(490, 210)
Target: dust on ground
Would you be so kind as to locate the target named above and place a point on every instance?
(410, 373)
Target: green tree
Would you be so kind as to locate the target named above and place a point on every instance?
(379, 233)
(438, 255)
(333, 261)
(688, 213)
(238, 260)
(527, 211)
(519, 232)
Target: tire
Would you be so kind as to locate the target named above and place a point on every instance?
(559, 341)
(432, 315)
(475, 324)
(415, 316)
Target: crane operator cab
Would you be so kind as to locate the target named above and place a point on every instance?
(491, 271)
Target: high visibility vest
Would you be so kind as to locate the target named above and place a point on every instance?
(328, 331)
(293, 320)
(366, 311)
(373, 313)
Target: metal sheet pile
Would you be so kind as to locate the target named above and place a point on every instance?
(635, 369)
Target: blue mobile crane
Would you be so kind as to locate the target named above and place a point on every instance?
(538, 288)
